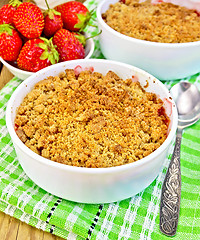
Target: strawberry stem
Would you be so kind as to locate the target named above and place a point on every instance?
(47, 4)
(94, 35)
(91, 25)
(51, 12)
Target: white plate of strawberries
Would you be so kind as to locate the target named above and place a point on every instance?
(32, 39)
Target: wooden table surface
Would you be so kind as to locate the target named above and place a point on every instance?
(11, 228)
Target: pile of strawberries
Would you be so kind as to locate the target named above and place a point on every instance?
(34, 39)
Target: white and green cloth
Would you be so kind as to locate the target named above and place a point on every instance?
(134, 218)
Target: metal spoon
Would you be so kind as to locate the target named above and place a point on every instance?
(187, 98)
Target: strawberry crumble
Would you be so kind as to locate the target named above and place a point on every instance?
(162, 22)
(91, 120)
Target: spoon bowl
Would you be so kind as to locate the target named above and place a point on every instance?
(187, 99)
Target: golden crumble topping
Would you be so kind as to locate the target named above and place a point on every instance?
(91, 120)
(163, 22)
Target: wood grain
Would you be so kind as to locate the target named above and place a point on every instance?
(5, 76)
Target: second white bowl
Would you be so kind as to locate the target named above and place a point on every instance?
(166, 61)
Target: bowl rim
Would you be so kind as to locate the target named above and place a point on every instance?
(135, 40)
(84, 170)
(15, 69)
(28, 73)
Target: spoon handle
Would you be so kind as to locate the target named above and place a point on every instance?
(171, 192)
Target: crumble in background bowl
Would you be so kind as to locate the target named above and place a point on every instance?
(166, 61)
(92, 185)
(21, 74)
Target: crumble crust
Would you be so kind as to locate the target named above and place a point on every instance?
(163, 22)
(90, 120)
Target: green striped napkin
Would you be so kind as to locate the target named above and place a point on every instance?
(134, 218)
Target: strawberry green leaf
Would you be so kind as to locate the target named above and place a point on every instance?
(44, 55)
(6, 28)
(15, 3)
(51, 13)
(56, 12)
(83, 21)
(43, 46)
(81, 38)
(50, 51)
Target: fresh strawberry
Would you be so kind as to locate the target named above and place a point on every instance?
(75, 15)
(68, 46)
(10, 42)
(52, 21)
(6, 14)
(29, 20)
(37, 54)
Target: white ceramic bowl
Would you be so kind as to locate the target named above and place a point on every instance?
(166, 61)
(90, 185)
(89, 49)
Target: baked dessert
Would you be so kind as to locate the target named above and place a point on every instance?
(91, 120)
(163, 22)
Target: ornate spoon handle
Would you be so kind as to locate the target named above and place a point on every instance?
(171, 192)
